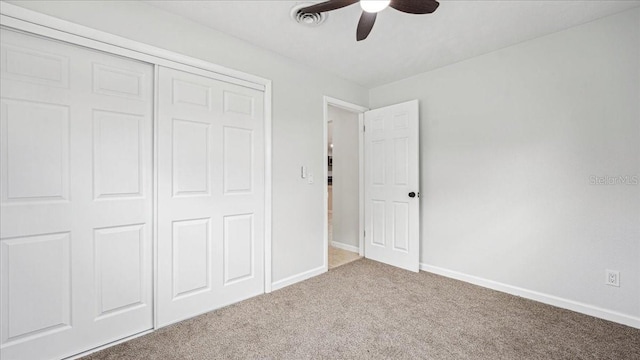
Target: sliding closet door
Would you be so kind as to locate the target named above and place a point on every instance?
(75, 196)
(210, 194)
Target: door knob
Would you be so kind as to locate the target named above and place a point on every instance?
(412, 194)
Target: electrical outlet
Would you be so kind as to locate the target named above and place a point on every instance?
(612, 278)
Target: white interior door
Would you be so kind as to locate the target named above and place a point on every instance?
(75, 196)
(210, 194)
(392, 204)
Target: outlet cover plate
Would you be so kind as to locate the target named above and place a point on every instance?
(612, 278)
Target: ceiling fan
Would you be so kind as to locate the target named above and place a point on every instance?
(371, 8)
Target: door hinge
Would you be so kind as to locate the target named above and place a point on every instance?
(364, 128)
(365, 233)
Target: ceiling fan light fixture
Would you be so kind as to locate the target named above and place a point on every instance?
(374, 6)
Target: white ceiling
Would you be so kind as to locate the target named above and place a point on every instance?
(400, 45)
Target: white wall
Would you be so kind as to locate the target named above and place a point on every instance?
(509, 141)
(297, 111)
(346, 211)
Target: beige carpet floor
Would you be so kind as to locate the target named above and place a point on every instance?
(366, 310)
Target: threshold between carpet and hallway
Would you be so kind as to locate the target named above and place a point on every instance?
(340, 254)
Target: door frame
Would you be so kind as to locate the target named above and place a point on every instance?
(13, 17)
(360, 110)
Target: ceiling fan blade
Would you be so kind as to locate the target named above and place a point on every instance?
(327, 6)
(365, 25)
(415, 6)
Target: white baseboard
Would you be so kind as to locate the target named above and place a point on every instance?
(346, 247)
(298, 277)
(537, 296)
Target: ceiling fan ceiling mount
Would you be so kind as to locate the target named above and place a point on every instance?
(370, 9)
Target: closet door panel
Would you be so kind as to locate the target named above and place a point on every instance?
(75, 197)
(210, 194)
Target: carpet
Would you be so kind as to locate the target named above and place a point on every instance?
(368, 310)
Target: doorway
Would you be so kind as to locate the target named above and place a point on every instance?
(343, 156)
(388, 182)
